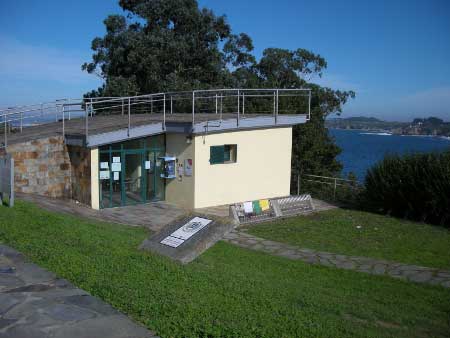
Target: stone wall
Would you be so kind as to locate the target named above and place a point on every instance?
(42, 167)
(80, 168)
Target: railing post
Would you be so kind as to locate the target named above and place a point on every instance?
(11, 182)
(298, 182)
(239, 108)
(86, 122)
(334, 190)
(129, 116)
(151, 104)
(69, 108)
(276, 112)
(123, 107)
(164, 113)
(216, 103)
(243, 103)
(63, 123)
(6, 131)
(171, 105)
(92, 110)
(309, 105)
(193, 109)
(274, 104)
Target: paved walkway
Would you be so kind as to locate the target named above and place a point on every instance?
(35, 303)
(411, 273)
(154, 216)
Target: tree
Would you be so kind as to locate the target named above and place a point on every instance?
(173, 45)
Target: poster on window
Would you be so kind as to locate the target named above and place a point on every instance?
(188, 167)
(104, 174)
(116, 167)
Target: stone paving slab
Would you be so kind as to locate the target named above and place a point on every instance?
(35, 303)
(154, 216)
(413, 273)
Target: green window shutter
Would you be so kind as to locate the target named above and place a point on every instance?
(216, 154)
(227, 153)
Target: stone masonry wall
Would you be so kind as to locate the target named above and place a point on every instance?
(80, 167)
(42, 167)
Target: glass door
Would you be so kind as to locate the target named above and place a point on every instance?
(133, 183)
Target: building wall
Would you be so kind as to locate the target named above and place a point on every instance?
(80, 169)
(262, 169)
(42, 167)
(95, 182)
(180, 190)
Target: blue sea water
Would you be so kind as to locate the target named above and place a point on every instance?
(362, 149)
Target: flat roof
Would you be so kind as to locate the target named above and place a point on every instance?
(106, 129)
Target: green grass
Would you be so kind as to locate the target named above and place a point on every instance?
(228, 291)
(363, 234)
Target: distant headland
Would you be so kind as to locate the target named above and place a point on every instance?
(431, 126)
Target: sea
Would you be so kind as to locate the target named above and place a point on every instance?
(361, 149)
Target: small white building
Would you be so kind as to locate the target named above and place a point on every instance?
(195, 149)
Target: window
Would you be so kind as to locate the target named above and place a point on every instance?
(223, 154)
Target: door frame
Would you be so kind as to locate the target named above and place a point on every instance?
(123, 152)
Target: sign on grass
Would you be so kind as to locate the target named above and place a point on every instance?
(185, 232)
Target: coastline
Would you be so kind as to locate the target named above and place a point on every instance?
(389, 133)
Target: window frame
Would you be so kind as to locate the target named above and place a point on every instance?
(223, 154)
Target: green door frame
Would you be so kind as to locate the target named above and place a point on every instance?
(123, 152)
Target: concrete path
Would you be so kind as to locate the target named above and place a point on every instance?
(35, 303)
(154, 216)
(411, 273)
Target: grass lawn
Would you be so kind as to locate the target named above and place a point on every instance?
(360, 233)
(228, 291)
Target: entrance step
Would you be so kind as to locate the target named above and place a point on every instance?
(187, 250)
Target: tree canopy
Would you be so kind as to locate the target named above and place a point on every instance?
(174, 45)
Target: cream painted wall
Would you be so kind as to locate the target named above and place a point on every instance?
(95, 191)
(180, 191)
(262, 170)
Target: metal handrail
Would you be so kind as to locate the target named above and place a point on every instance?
(225, 100)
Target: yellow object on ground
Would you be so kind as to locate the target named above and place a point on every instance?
(264, 205)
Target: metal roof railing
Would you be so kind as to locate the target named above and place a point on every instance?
(239, 102)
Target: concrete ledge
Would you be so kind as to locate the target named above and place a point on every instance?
(194, 246)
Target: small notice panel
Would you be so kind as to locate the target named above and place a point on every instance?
(104, 174)
(117, 166)
(104, 165)
(116, 176)
(185, 232)
(148, 165)
(116, 159)
(172, 241)
(188, 167)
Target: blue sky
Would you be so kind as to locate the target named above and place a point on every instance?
(394, 54)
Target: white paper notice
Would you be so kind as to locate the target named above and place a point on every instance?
(104, 174)
(116, 166)
(188, 230)
(116, 159)
(191, 228)
(104, 165)
(172, 241)
(148, 165)
(116, 176)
